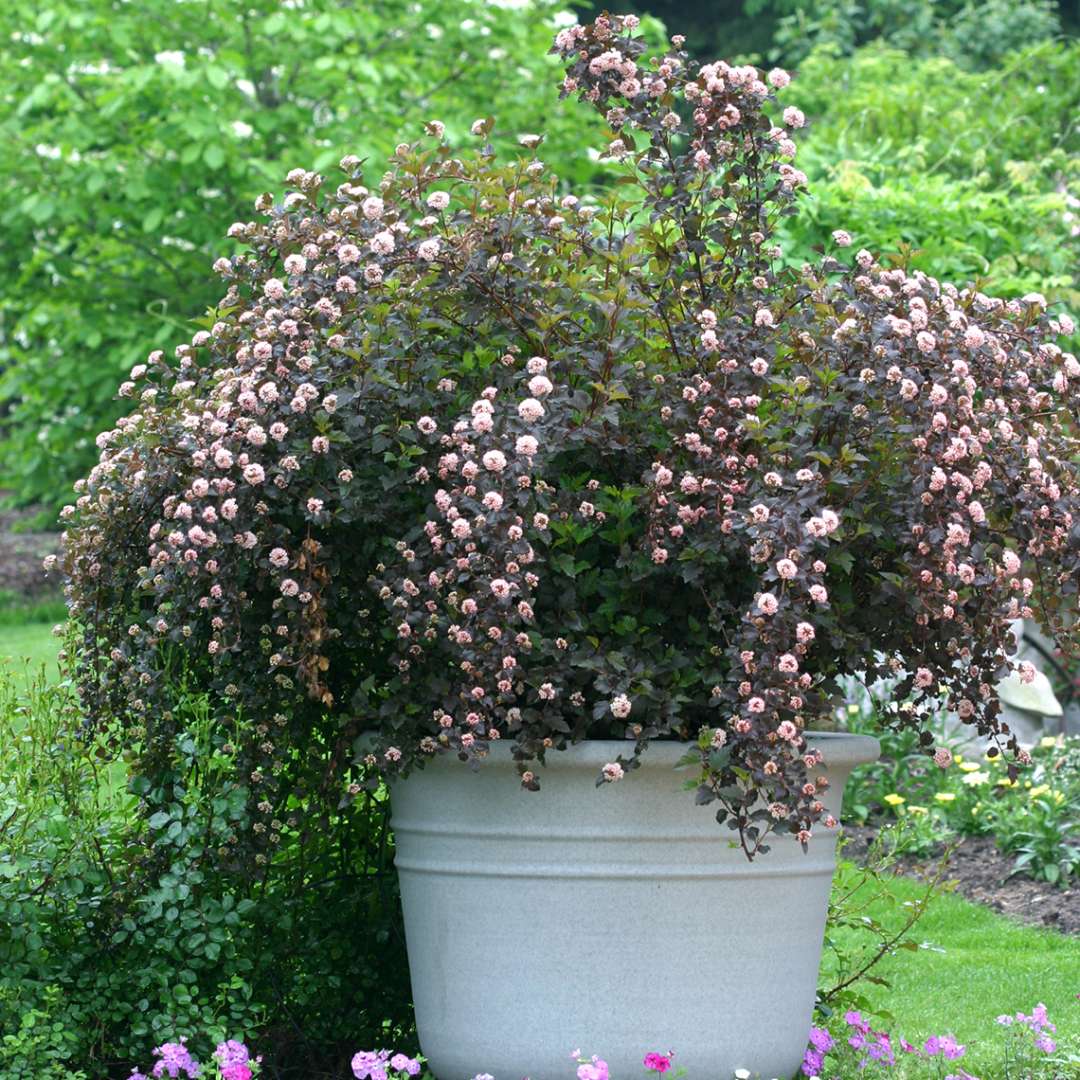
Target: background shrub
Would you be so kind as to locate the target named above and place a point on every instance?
(129, 133)
(117, 933)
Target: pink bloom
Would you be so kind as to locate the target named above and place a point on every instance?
(530, 410)
(942, 757)
(612, 771)
(620, 706)
(595, 1070)
(428, 249)
(382, 243)
(767, 603)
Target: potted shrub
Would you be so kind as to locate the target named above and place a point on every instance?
(473, 484)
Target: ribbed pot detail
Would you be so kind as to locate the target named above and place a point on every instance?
(618, 919)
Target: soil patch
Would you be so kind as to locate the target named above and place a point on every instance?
(21, 552)
(982, 874)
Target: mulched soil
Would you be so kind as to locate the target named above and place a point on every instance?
(21, 552)
(982, 874)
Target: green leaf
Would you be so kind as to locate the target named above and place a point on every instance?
(217, 77)
(214, 155)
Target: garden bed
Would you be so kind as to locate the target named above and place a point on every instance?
(21, 553)
(982, 874)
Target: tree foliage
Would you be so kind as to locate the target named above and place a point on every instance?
(129, 132)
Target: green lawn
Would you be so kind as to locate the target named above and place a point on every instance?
(31, 641)
(981, 965)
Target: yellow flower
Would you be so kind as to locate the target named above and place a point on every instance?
(1047, 741)
(968, 766)
(853, 710)
(917, 810)
(958, 758)
(945, 796)
(1006, 782)
(1042, 789)
(894, 800)
(974, 778)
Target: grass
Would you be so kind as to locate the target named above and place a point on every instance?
(977, 965)
(26, 633)
(32, 641)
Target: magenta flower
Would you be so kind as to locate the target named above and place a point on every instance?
(657, 1062)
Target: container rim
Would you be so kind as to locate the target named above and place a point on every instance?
(839, 748)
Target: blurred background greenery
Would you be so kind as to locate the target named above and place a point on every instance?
(133, 134)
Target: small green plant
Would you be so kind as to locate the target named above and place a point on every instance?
(1037, 819)
(857, 936)
(1044, 835)
(38, 1045)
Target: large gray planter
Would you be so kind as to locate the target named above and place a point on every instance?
(616, 920)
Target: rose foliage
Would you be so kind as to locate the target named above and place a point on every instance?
(460, 457)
